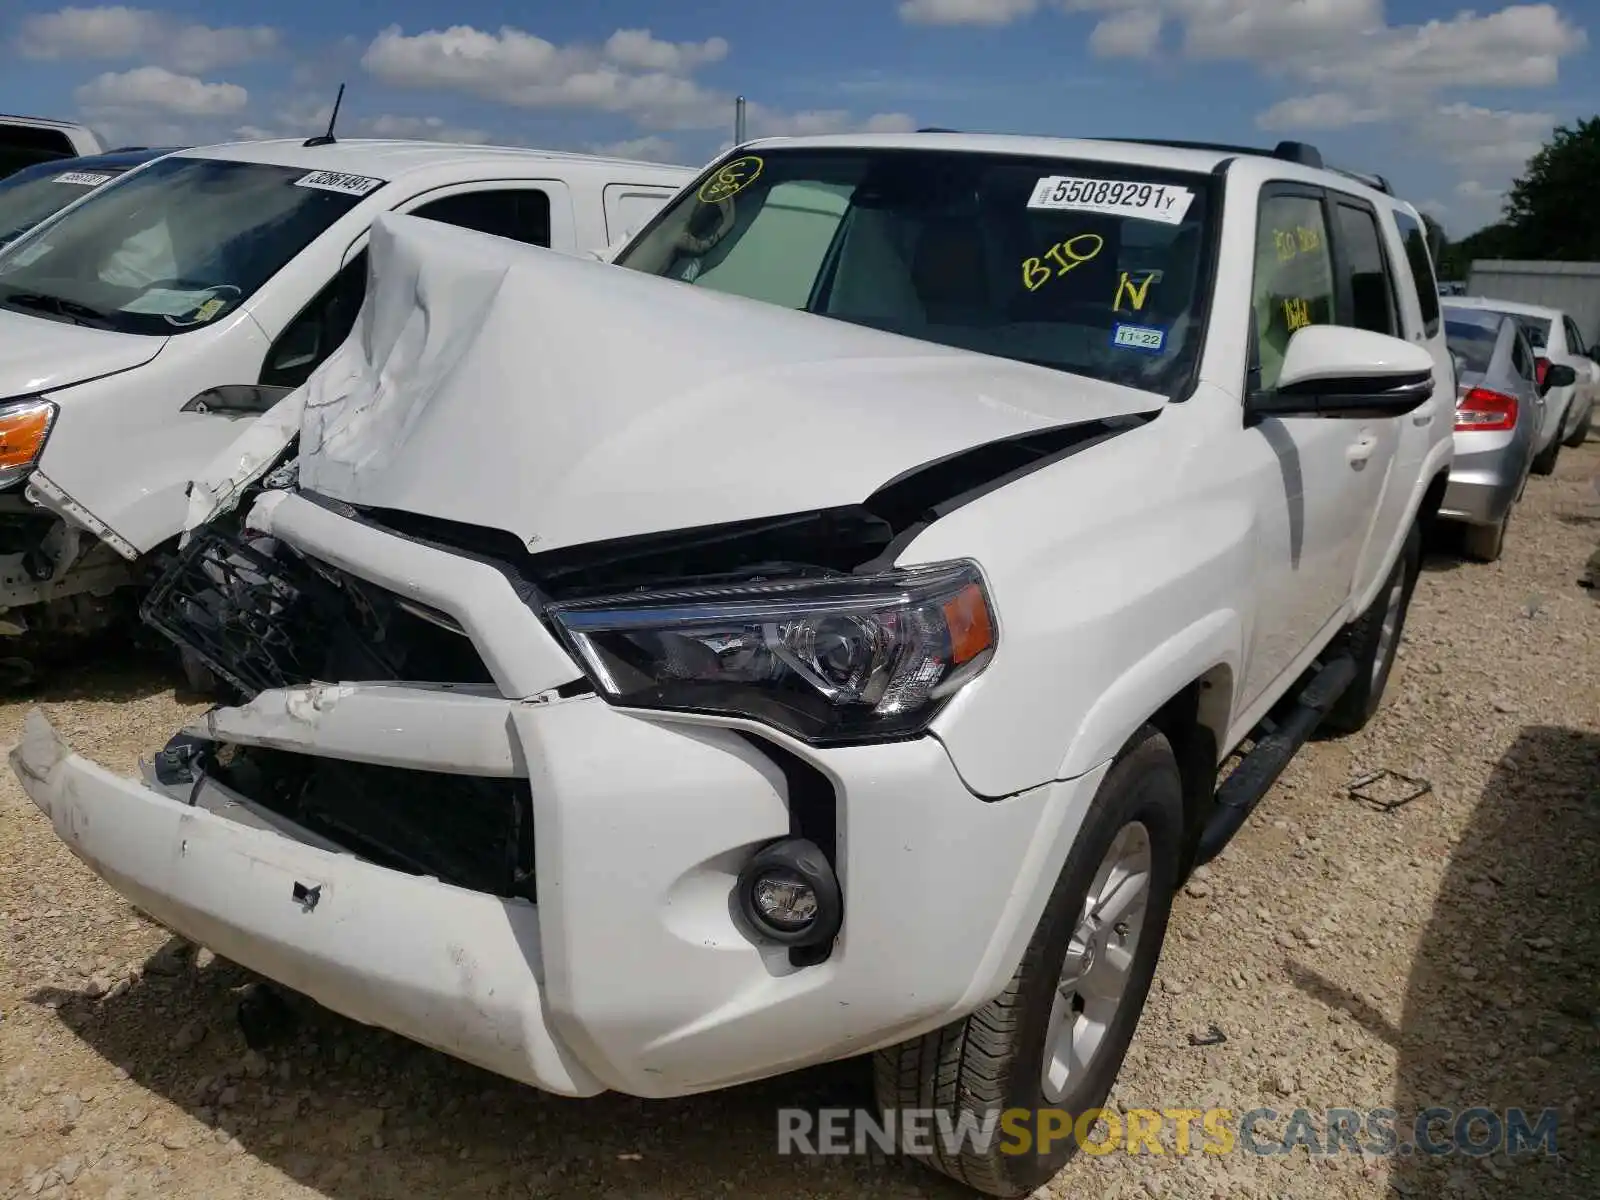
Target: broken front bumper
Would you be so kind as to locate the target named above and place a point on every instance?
(631, 972)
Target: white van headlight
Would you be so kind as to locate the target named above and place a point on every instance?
(24, 426)
(837, 658)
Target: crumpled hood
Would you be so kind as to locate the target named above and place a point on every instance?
(38, 354)
(568, 401)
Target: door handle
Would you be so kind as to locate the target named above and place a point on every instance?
(1360, 450)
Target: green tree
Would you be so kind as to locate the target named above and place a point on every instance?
(1551, 211)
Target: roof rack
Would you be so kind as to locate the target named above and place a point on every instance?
(1371, 179)
(937, 129)
(1303, 153)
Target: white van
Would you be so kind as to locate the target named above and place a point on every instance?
(208, 269)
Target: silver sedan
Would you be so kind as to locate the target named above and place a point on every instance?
(1500, 408)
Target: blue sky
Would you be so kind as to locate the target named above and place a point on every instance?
(1447, 102)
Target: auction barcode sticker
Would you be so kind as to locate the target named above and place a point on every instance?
(83, 178)
(1114, 197)
(337, 181)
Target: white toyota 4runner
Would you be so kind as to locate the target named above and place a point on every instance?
(822, 632)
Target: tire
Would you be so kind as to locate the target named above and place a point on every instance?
(1581, 434)
(1373, 646)
(1544, 463)
(1483, 543)
(995, 1059)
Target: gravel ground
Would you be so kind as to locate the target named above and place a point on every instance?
(1443, 953)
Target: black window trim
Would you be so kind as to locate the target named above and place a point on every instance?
(1342, 272)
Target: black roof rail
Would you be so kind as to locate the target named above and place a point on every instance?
(1303, 153)
(937, 129)
(1371, 179)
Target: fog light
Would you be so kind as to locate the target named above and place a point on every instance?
(790, 894)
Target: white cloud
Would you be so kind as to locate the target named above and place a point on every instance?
(965, 12)
(636, 48)
(429, 129)
(158, 90)
(767, 122)
(521, 69)
(1486, 139)
(1130, 34)
(122, 33)
(1271, 30)
(1324, 110)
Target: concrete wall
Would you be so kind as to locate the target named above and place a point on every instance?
(1573, 287)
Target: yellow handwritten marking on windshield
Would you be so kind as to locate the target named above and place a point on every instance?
(1296, 313)
(1136, 292)
(730, 179)
(1065, 255)
(209, 309)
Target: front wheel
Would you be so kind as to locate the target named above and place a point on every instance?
(1047, 1049)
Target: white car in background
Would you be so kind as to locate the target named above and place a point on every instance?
(25, 141)
(142, 326)
(1554, 336)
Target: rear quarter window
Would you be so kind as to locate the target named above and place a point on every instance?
(1474, 341)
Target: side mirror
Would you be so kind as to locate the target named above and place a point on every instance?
(237, 399)
(1337, 371)
(1557, 375)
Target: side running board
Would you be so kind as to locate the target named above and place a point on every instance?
(1270, 753)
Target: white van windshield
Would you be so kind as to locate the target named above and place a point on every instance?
(1088, 267)
(173, 247)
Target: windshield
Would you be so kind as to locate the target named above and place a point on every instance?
(34, 193)
(174, 246)
(1473, 337)
(1086, 267)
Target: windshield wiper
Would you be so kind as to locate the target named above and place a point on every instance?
(71, 309)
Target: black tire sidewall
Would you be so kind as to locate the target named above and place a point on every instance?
(1144, 785)
(1361, 700)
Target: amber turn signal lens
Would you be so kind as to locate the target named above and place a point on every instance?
(967, 616)
(23, 428)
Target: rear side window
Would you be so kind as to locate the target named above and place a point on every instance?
(1416, 243)
(1474, 341)
(521, 214)
(1371, 292)
(1574, 338)
(1294, 276)
(1537, 331)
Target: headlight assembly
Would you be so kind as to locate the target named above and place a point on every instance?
(24, 426)
(846, 658)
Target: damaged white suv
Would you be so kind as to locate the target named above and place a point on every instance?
(820, 633)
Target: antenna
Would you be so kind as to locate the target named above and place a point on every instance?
(327, 139)
(738, 121)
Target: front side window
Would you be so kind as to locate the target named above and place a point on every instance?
(1536, 330)
(1083, 267)
(1293, 276)
(175, 246)
(1416, 244)
(521, 214)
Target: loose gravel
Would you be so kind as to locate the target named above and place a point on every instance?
(1445, 952)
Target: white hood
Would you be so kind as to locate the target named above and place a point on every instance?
(38, 354)
(569, 401)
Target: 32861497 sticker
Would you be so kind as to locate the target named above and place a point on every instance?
(338, 181)
(1163, 202)
(83, 178)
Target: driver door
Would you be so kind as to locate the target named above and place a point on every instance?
(1321, 478)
